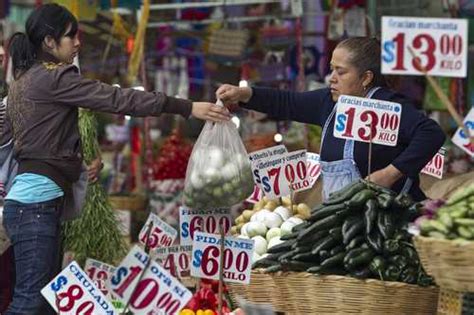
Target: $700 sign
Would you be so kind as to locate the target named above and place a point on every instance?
(367, 120)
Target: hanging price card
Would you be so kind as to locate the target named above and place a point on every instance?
(73, 292)
(162, 234)
(208, 221)
(461, 139)
(259, 156)
(237, 258)
(156, 292)
(364, 119)
(439, 44)
(313, 165)
(436, 165)
(175, 259)
(295, 170)
(100, 273)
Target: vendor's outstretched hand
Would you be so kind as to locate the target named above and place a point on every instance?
(209, 111)
(386, 177)
(231, 94)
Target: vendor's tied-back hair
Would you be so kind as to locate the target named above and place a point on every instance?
(364, 54)
(47, 20)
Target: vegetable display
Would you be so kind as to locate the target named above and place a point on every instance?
(455, 220)
(360, 231)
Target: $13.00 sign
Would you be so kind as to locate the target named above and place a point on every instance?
(461, 139)
(237, 258)
(440, 44)
(366, 120)
(208, 221)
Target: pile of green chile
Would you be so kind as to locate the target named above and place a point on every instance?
(455, 220)
(360, 232)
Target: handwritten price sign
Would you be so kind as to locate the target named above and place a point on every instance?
(157, 292)
(237, 258)
(313, 164)
(435, 167)
(175, 259)
(364, 119)
(162, 234)
(73, 292)
(461, 139)
(208, 221)
(439, 44)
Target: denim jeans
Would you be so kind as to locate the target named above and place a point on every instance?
(34, 231)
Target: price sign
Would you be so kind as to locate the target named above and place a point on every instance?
(364, 119)
(237, 258)
(73, 292)
(175, 259)
(295, 170)
(461, 139)
(157, 292)
(100, 273)
(259, 156)
(440, 46)
(313, 165)
(162, 234)
(436, 165)
(256, 195)
(208, 221)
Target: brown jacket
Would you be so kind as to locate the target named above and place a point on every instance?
(43, 111)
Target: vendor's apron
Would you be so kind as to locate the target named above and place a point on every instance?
(338, 174)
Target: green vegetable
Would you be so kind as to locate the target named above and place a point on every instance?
(385, 201)
(274, 268)
(379, 189)
(411, 255)
(375, 241)
(336, 232)
(465, 232)
(344, 190)
(390, 246)
(370, 215)
(400, 261)
(287, 255)
(325, 243)
(391, 273)
(351, 228)
(386, 224)
(337, 250)
(409, 275)
(306, 257)
(424, 280)
(301, 226)
(464, 222)
(353, 253)
(347, 194)
(324, 254)
(292, 235)
(439, 226)
(436, 234)
(264, 263)
(311, 239)
(461, 194)
(363, 259)
(355, 242)
(297, 266)
(362, 273)
(333, 261)
(323, 224)
(326, 211)
(282, 247)
(403, 201)
(359, 199)
(314, 269)
(446, 219)
(377, 266)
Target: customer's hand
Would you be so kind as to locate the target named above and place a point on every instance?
(210, 111)
(93, 170)
(231, 94)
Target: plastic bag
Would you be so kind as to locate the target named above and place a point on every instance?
(219, 173)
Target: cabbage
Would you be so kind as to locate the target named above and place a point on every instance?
(283, 212)
(273, 232)
(274, 241)
(272, 220)
(260, 245)
(256, 228)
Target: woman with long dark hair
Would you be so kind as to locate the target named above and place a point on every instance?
(42, 108)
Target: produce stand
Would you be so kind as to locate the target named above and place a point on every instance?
(304, 293)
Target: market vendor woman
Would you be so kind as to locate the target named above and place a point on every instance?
(43, 110)
(355, 66)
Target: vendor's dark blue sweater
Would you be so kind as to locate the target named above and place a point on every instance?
(418, 141)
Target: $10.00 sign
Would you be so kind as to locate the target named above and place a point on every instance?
(366, 120)
(440, 44)
(461, 139)
(237, 258)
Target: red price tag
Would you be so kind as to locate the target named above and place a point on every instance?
(162, 234)
(208, 221)
(73, 292)
(461, 139)
(440, 46)
(313, 165)
(157, 292)
(175, 259)
(366, 120)
(436, 165)
(237, 258)
(296, 171)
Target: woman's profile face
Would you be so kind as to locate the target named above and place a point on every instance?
(345, 78)
(67, 48)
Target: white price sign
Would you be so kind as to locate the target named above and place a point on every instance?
(296, 171)
(208, 221)
(256, 195)
(73, 292)
(237, 258)
(366, 120)
(162, 234)
(157, 292)
(175, 259)
(313, 163)
(257, 157)
(440, 46)
(436, 165)
(461, 139)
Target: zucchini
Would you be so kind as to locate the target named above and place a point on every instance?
(283, 247)
(385, 201)
(274, 268)
(355, 242)
(336, 232)
(301, 227)
(292, 235)
(333, 261)
(370, 215)
(337, 250)
(343, 190)
(323, 224)
(297, 266)
(347, 194)
(306, 257)
(362, 259)
(359, 199)
(325, 243)
(311, 239)
(264, 263)
(355, 227)
(326, 211)
(287, 255)
(379, 189)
